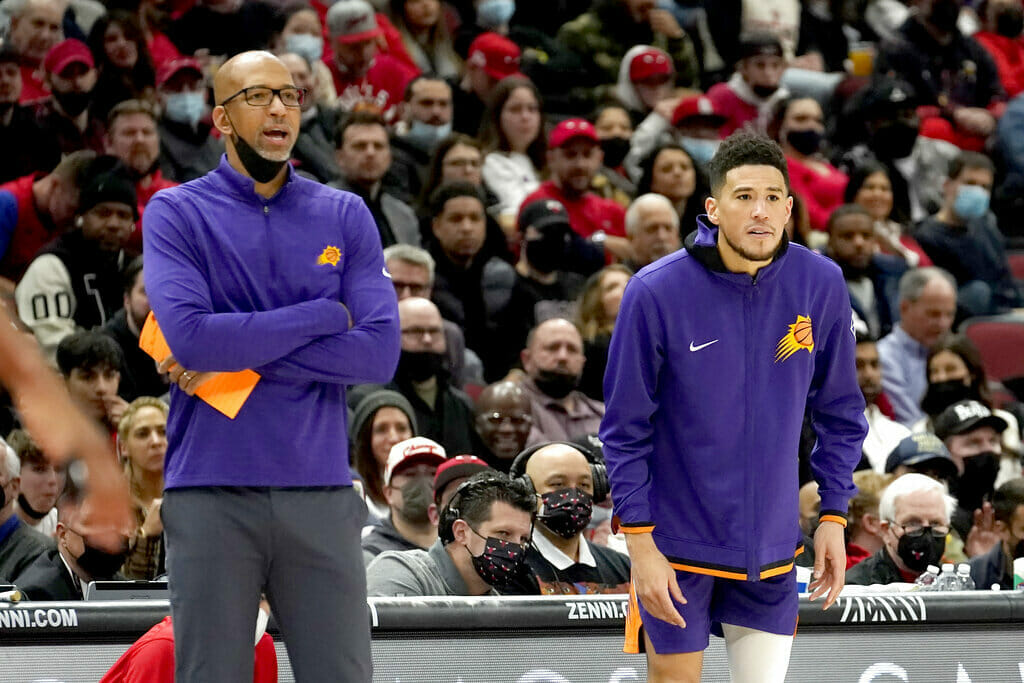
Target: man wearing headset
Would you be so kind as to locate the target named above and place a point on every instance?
(568, 479)
(484, 533)
(75, 282)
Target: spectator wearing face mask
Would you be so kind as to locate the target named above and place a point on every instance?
(483, 534)
(646, 80)
(972, 434)
(71, 76)
(964, 239)
(614, 130)
(426, 122)
(303, 35)
(752, 93)
(956, 373)
(561, 561)
(187, 147)
(408, 489)
(915, 512)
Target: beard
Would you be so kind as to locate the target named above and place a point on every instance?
(748, 254)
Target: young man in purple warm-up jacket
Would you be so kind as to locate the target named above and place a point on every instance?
(254, 267)
(716, 352)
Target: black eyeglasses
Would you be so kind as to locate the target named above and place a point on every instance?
(916, 530)
(262, 96)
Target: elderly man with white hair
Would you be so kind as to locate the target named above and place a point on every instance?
(19, 543)
(915, 511)
(652, 226)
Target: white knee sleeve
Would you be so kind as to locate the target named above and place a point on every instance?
(756, 656)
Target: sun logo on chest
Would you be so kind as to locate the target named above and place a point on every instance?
(798, 337)
(329, 256)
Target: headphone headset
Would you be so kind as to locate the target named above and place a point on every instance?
(451, 511)
(598, 471)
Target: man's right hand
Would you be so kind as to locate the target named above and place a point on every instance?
(654, 579)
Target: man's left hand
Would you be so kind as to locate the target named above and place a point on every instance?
(829, 562)
(186, 380)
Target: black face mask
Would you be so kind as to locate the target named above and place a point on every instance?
(1010, 21)
(419, 366)
(548, 252)
(556, 384)
(99, 564)
(501, 562)
(894, 140)
(977, 481)
(941, 395)
(920, 551)
(804, 141)
(73, 103)
(944, 15)
(27, 509)
(764, 90)
(566, 511)
(615, 150)
(259, 168)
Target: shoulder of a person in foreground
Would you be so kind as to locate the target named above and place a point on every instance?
(665, 268)
(396, 573)
(817, 264)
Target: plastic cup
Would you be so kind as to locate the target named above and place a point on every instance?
(862, 58)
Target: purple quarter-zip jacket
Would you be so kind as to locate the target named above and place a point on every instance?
(240, 281)
(708, 376)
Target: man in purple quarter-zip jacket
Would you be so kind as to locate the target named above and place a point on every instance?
(254, 267)
(716, 352)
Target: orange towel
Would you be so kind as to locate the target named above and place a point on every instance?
(226, 392)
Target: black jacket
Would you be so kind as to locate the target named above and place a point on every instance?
(48, 579)
(19, 550)
(138, 372)
(990, 568)
(611, 575)
(879, 568)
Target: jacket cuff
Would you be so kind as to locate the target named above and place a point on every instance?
(631, 527)
(832, 516)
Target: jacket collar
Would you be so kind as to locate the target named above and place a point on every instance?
(702, 244)
(244, 187)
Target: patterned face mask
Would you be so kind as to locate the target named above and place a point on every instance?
(500, 563)
(566, 511)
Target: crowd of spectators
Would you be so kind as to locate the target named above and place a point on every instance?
(521, 162)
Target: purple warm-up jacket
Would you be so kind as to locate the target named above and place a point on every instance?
(239, 281)
(709, 373)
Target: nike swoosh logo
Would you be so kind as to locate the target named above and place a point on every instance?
(385, 272)
(698, 348)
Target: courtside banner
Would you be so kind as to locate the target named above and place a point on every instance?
(914, 638)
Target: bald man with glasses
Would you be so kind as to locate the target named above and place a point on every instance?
(254, 267)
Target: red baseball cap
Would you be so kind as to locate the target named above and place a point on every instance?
(457, 467)
(649, 63)
(697, 107)
(570, 129)
(66, 53)
(168, 70)
(496, 55)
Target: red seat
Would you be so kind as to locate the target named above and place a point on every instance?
(1016, 259)
(1000, 339)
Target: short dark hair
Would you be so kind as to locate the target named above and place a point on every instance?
(430, 76)
(863, 337)
(745, 149)
(88, 349)
(458, 188)
(966, 160)
(844, 211)
(475, 497)
(130, 272)
(357, 118)
(1007, 498)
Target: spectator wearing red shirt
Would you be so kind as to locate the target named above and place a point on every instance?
(820, 185)
(151, 658)
(574, 155)
(132, 137)
(35, 209)
(35, 29)
(364, 78)
(1001, 24)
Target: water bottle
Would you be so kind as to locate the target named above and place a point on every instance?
(947, 580)
(926, 582)
(963, 575)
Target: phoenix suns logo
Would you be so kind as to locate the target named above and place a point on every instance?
(798, 337)
(329, 256)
